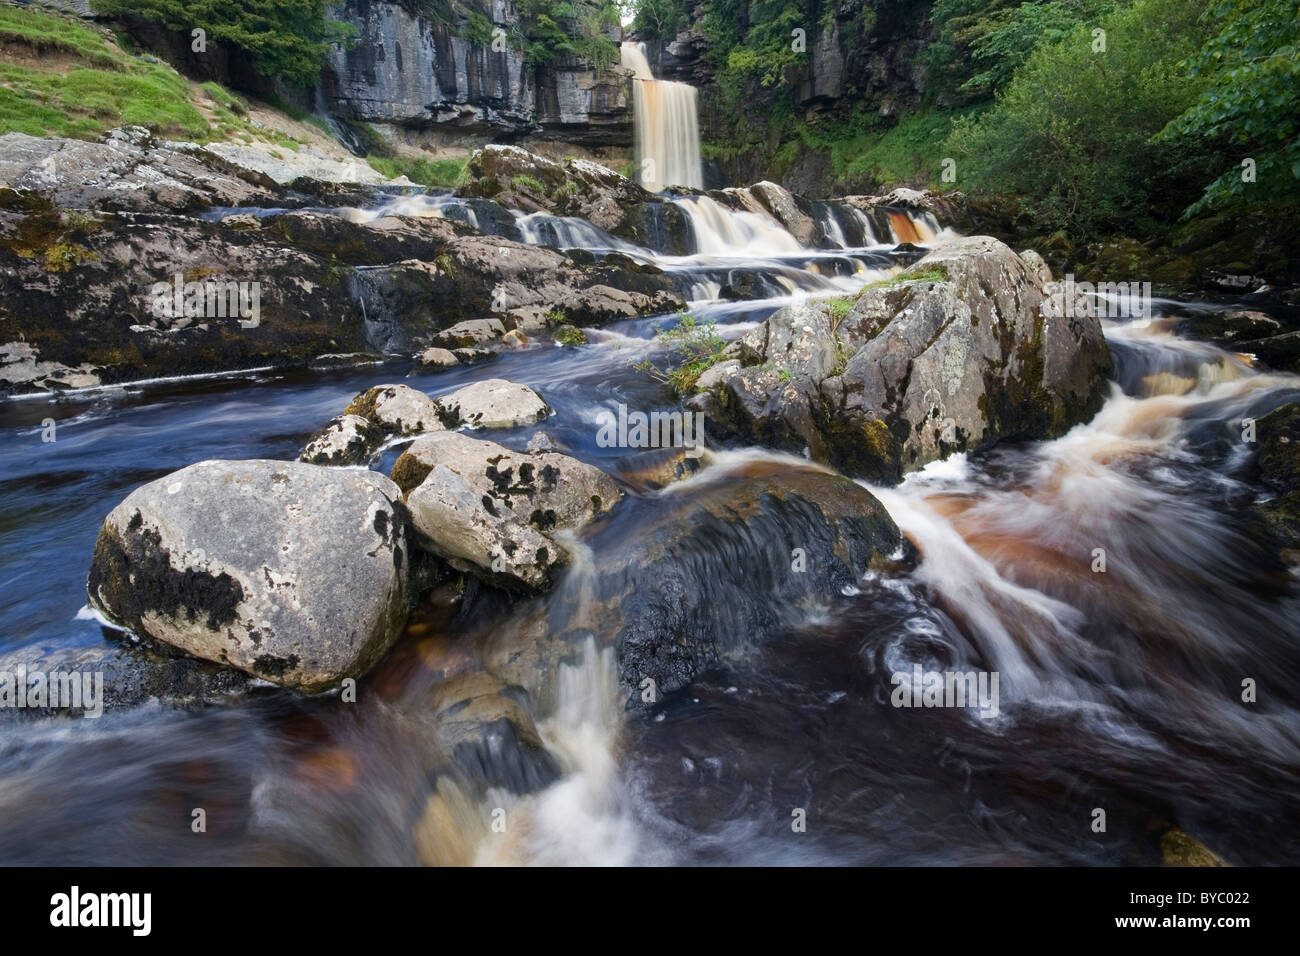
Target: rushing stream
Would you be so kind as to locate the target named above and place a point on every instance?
(1119, 690)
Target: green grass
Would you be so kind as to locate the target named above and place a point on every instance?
(46, 34)
(932, 274)
(426, 172)
(110, 89)
(527, 183)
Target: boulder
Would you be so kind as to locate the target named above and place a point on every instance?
(955, 353)
(705, 576)
(347, 440)
(496, 511)
(577, 187)
(790, 211)
(397, 410)
(437, 358)
(1277, 467)
(492, 403)
(469, 333)
(291, 572)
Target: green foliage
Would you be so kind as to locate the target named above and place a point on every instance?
(981, 43)
(1249, 72)
(570, 336)
(659, 19)
(696, 347)
(224, 98)
(567, 28)
(288, 39)
(1070, 136)
(837, 309)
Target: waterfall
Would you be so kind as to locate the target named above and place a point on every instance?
(667, 128)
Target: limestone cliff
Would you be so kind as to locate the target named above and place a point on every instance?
(416, 71)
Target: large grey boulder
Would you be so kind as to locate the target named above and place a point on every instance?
(495, 510)
(291, 572)
(955, 354)
(492, 403)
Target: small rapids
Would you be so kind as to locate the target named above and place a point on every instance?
(487, 738)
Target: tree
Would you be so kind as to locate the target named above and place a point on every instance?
(288, 39)
(1250, 105)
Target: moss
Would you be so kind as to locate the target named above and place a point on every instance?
(863, 448)
(132, 575)
(409, 472)
(364, 404)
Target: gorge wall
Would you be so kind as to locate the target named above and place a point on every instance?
(420, 76)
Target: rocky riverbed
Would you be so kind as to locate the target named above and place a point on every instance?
(386, 581)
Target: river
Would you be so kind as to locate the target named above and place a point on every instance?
(1120, 690)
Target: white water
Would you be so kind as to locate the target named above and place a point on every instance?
(666, 124)
(720, 231)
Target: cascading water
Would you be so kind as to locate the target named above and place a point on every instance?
(667, 126)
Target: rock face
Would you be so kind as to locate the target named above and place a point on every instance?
(963, 355)
(95, 237)
(496, 511)
(1277, 466)
(291, 572)
(411, 71)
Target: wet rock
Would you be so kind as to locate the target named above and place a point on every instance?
(397, 410)
(1269, 339)
(347, 440)
(129, 674)
(478, 502)
(790, 211)
(515, 339)
(293, 573)
(492, 403)
(715, 572)
(962, 355)
(657, 468)
(21, 370)
(473, 356)
(1277, 467)
(486, 729)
